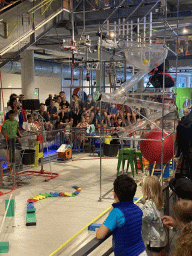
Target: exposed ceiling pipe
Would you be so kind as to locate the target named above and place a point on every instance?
(52, 69)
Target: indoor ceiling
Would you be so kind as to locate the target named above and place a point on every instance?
(89, 16)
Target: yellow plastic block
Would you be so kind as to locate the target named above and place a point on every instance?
(68, 194)
(37, 197)
(41, 197)
(79, 189)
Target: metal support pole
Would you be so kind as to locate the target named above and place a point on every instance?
(123, 28)
(144, 30)
(115, 26)
(127, 30)
(61, 76)
(119, 27)
(138, 39)
(107, 27)
(131, 30)
(163, 98)
(125, 70)
(150, 28)
(100, 161)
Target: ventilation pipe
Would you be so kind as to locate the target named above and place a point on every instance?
(52, 69)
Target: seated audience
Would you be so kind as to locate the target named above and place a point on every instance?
(30, 126)
(100, 119)
(52, 110)
(44, 115)
(23, 111)
(112, 114)
(61, 118)
(12, 96)
(81, 134)
(104, 107)
(65, 104)
(62, 94)
(75, 110)
(48, 100)
(57, 104)
(119, 122)
(88, 108)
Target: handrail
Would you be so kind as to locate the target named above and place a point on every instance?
(94, 243)
(9, 5)
(90, 246)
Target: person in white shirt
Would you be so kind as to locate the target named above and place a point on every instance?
(30, 125)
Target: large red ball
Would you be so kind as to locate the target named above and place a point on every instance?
(152, 150)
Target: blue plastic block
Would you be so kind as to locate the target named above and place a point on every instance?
(77, 192)
(93, 226)
(52, 193)
(30, 206)
(56, 194)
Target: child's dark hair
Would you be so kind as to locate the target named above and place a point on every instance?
(11, 112)
(124, 187)
(28, 116)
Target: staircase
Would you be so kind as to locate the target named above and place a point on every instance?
(25, 23)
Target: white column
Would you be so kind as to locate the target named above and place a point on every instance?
(28, 74)
(188, 81)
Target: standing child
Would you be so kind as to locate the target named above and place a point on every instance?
(153, 231)
(125, 220)
(10, 128)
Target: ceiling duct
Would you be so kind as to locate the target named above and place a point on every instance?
(52, 69)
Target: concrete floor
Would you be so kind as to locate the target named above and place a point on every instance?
(60, 218)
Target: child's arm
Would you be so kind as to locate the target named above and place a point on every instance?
(109, 224)
(18, 132)
(3, 131)
(148, 213)
(102, 232)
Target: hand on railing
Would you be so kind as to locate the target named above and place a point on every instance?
(169, 221)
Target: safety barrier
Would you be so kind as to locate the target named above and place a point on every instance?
(95, 243)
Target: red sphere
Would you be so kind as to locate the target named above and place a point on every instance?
(152, 150)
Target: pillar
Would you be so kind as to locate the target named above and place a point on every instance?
(28, 74)
(188, 81)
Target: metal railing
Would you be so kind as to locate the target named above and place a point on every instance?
(95, 243)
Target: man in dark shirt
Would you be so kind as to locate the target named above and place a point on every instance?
(48, 126)
(64, 103)
(48, 100)
(52, 110)
(88, 108)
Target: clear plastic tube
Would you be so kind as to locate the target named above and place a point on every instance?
(144, 57)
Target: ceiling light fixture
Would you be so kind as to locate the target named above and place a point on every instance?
(112, 34)
(185, 31)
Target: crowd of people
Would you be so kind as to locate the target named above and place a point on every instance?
(85, 116)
